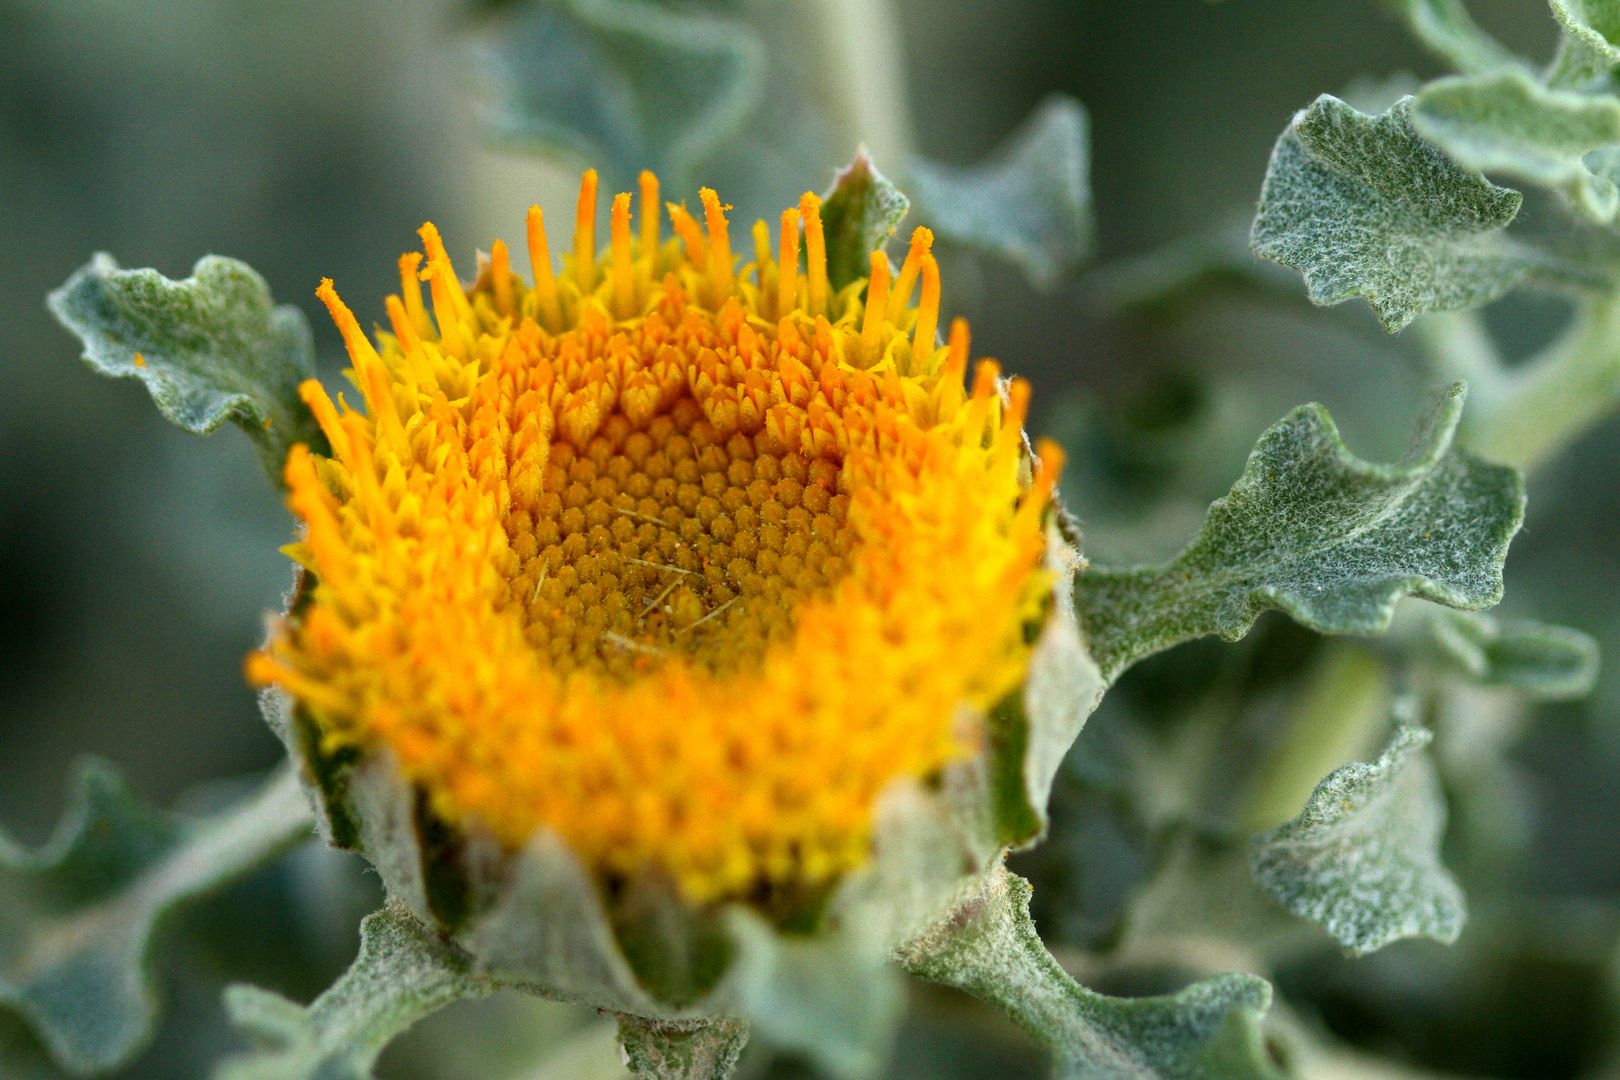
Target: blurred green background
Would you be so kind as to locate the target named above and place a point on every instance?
(311, 138)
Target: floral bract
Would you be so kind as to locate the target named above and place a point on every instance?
(684, 561)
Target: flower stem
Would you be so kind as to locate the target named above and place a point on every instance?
(864, 69)
(1557, 396)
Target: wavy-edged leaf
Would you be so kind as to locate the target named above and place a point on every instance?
(1362, 860)
(77, 917)
(210, 348)
(1548, 663)
(701, 1050)
(1029, 201)
(1363, 206)
(1593, 23)
(1314, 531)
(403, 972)
(1446, 28)
(627, 84)
(859, 214)
(987, 946)
(1508, 123)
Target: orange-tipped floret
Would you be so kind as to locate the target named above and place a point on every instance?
(685, 562)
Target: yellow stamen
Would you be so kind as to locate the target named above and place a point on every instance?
(925, 335)
(623, 268)
(720, 261)
(690, 232)
(876, 315)
(410, 290)
(500, 273)
(585, 231)
(545, 281)
(787, 264)
(815, 251)
(649, 215)
(922, 241)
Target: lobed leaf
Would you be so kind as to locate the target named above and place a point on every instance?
(1362, 860)
(1508, 123)
(1363, 206)
(403, 972)
(77, 917)
(858, 215)
(1447, 29)
(1548, 663)
(1593, 23)
(627, 84)
(210, 348)
(1029, 201)
(987, 946)
(1314, 531)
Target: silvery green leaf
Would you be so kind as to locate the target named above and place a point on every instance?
(626, 84)
(1029, 201)
(830, 996)
(987, 946)
(1508, 123)
(859, 214)
(1032, 731)
(211, 348)
(1549, 663)
(1362, 860)
(1593, 23)
(1314, 531)
(701, 1050)
(1363, 206)
(77, 916)
(1451, 33)
(403, 973)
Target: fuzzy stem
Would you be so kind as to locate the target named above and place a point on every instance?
(863, 70)
(692, 1050)
(1345, 699)
(1572, 385)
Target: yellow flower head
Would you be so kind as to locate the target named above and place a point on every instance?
(684, 561)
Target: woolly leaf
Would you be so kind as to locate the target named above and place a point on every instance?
(1363, 859)
(1450, 32)
(1510, 124)
(626, 84)
(1550, 663)
(210, 348)
(1362, 206)
(1312, 530)
(699, 1050)
(859, 215)
(77, 917)
(403, 973)
(1593, 23)
(1029, 201)
(987, 946)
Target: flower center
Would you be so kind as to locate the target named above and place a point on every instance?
(673, 538)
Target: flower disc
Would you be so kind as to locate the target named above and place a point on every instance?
(683, 561)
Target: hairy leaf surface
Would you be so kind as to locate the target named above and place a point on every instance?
(1314, 531)
(211, 348)
(626, 84)
(1362, 860)
(1508, 123)
(1029, 201)
(859, 215)
(77, 917)
(1549, 663)
(1363, 206)
(987, 946)
(403, 973)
